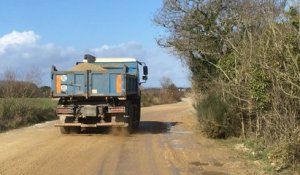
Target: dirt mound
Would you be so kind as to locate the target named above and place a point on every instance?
(88, 66)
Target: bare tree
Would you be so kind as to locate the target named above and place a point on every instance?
(11, 86)
(32, 80)
(165, 82)
(7, 84)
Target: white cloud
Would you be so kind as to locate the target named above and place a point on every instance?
(21, 51)
(14, 39)
(129, 49)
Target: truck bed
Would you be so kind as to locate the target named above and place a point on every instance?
(92, 84)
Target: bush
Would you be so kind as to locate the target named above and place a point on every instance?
(214, 117)
(150, 97)
(156, 96)
(16, 112)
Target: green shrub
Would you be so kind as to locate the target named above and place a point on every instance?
(214, 117)
(16, 112)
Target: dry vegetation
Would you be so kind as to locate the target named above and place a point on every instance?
(17, 112)
(244, 59)
(21, 102)
(168, 93)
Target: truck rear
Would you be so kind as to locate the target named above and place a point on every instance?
(98, 92)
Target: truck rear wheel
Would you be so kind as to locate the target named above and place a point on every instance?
(68, 129)
(65, 130)
(137, 117)
(129, 128)
(130, 118)
(115, 130)
(75, 129)
(137, 114)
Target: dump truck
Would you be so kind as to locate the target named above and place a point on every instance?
(99, 92)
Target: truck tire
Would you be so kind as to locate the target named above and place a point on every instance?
(75, 129)
(68, 130)
(65, 130)
(115, 130)
(130, 113)
(137, 117)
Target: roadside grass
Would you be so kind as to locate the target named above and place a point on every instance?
(17, 112)
(250, 149)
(298, 168)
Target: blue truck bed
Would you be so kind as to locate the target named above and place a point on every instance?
(118, 79)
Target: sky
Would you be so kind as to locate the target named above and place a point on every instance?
(35, 34)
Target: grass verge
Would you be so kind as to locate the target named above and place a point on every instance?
(254, 150)
(17, 112)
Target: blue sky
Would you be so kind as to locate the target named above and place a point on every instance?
(39, 33)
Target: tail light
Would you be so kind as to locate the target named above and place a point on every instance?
(64, 110)
(116, 109)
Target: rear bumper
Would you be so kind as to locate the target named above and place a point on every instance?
(120, 124)
(90, 110)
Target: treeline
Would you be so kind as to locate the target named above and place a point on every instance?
(244, 59)
(13, 87)
(22, 89)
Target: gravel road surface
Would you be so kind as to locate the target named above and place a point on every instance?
(167, 142)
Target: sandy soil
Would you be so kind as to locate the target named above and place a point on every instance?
(166, 143)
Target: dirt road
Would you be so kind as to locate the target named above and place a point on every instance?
(166, 143)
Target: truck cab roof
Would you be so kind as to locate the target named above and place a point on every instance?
(112, 60)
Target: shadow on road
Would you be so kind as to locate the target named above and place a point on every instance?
(146, 127)
(155, 127)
